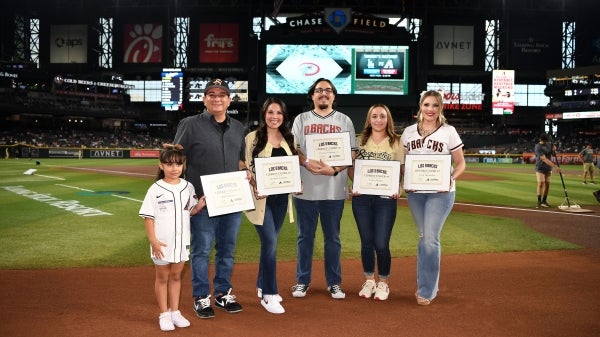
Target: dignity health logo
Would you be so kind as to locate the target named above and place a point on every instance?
(338, 18)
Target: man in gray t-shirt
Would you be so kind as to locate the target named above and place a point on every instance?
(587, 156)
(543, 169)
(325, 189)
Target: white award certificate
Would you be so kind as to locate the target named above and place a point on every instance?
(227, 193)
(424, 172)
(332, 148)
(376, 177)
(277, 175)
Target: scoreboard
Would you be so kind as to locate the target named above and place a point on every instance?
(171, 89)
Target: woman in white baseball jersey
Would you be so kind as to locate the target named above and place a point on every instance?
(431, 135)
(166, 210)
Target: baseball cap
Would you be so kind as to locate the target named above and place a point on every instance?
(217, 83)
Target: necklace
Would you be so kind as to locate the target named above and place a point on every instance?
(426, 132)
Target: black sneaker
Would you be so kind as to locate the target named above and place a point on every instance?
(202, 307)
(228, 303)
(597, 195)
(539, 205)
(299, 290)
(336, 292)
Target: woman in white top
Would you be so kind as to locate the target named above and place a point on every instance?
(433, 136)
(272, 138)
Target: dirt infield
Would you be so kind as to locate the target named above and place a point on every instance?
(546, 294)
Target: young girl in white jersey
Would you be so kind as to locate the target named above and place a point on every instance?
(166, 210)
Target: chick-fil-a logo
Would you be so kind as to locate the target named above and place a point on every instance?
(143, 43)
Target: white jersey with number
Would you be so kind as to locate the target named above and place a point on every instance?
(322, 187)
(169, 205)
(444, 140)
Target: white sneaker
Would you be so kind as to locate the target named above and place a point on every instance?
(382, 291)
(336, 292)
(272, 305)
(178, 319)
(299, 290)
(368, 289)
(165, 321)
(259, 294)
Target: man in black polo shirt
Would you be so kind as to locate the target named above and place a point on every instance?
(213, 143)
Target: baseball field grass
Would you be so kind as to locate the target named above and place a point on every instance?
(84, 213)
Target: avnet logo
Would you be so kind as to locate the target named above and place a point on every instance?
(106, 154)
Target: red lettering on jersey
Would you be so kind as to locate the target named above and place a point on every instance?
(415, 144)
(321, 128)
(435, 145)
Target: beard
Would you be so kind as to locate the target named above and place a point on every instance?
(323, 106)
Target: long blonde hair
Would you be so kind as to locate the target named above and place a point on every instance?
(438, 97)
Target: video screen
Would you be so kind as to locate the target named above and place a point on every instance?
(353, 69)
(195, 88)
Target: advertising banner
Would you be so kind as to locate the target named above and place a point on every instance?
(144, 154)
(106, 153)
(219, 43)
(453, 45)
(503, 92)
(64, 153)
(459, 96)
(535, 47)
(588, 44)
(68, 44)
(142, 43)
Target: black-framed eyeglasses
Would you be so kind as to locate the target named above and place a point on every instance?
(321, 90)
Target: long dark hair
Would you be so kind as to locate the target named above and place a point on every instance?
(311, 91)
(171, 154)
(261, 133)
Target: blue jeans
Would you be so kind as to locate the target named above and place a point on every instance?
(269, 231)
(375, 218)
(308, 213)
(429, 211)
(223, 231)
